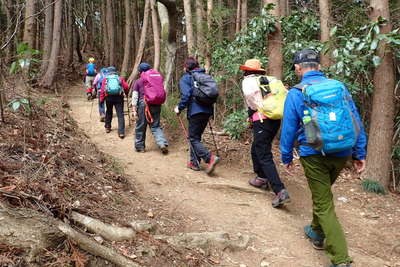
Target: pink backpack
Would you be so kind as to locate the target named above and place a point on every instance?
(154, 92)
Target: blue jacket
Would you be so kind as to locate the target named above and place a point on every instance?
(187, 101)
(292, 125)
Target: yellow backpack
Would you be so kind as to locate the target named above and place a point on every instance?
(274, 96)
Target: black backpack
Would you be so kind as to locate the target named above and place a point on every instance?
(205, 89)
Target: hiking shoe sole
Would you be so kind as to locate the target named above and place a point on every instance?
(316, 244)
(211, 168)
(164, 150)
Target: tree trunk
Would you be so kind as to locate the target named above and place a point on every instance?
(142, 42)
(136, 33)
(128, 39)
(111, 31)
(189, 26)
(169, 21)
(210, 7)
(238, 13)
(243, 20)
(382, 115)
(200, 29)
(274, 44)
(156, 35)
(105, 33)
(48, 78)
(29, 27)
(69, 56)
(324, 13)
(9, 12)
(47, 35)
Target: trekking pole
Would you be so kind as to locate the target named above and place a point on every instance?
(127, 106)
(213, 137)
(187, 137)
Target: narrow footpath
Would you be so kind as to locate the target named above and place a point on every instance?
(224, 202)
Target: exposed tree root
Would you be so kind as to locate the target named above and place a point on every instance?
(109, 232)
(94, 248)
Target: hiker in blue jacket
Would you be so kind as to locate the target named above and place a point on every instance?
(198, 116)
(321, 170)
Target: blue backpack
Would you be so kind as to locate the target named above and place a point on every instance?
(329, 124)
(91, 69)
(113, 86)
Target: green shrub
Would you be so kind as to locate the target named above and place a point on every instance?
(372, 186)
(236, 124)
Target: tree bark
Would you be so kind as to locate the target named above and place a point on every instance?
(210, 7)
(29, 27)
(142, 42)
(274, 44)
(243, 20)
(324, 13)
(200, 29)
(105, 33)
(47, 35)
(169, 21)
(111, 31)
(189, 26)
(48, 78)
(69, 56)
(382, 116)
(156, 35)
(135, 23)
(128, 38)
(238, 15)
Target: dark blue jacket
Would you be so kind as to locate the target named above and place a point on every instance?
(292, 126)
(187, 101)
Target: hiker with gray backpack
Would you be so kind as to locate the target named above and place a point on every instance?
(113, 89)
(320, 113)
(199, 92)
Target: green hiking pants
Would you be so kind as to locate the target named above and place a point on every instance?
(321, 173)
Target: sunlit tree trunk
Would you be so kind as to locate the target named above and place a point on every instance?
(169, 20)
(128, 38)
(324, 13)
(156, 35)
(382, 115)
(189, 26)
(48, 78)
(274, 44)
(142, 42)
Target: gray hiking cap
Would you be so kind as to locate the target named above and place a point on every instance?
(305, 55)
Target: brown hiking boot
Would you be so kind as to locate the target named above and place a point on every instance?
(102, 118)
(164, 149)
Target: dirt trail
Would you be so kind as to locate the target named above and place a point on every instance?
(209, 205)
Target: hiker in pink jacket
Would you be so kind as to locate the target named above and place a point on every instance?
(148, 93)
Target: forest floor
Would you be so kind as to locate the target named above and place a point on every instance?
(225, 202)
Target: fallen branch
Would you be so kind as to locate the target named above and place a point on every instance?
(109, 232)
(94, 248)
